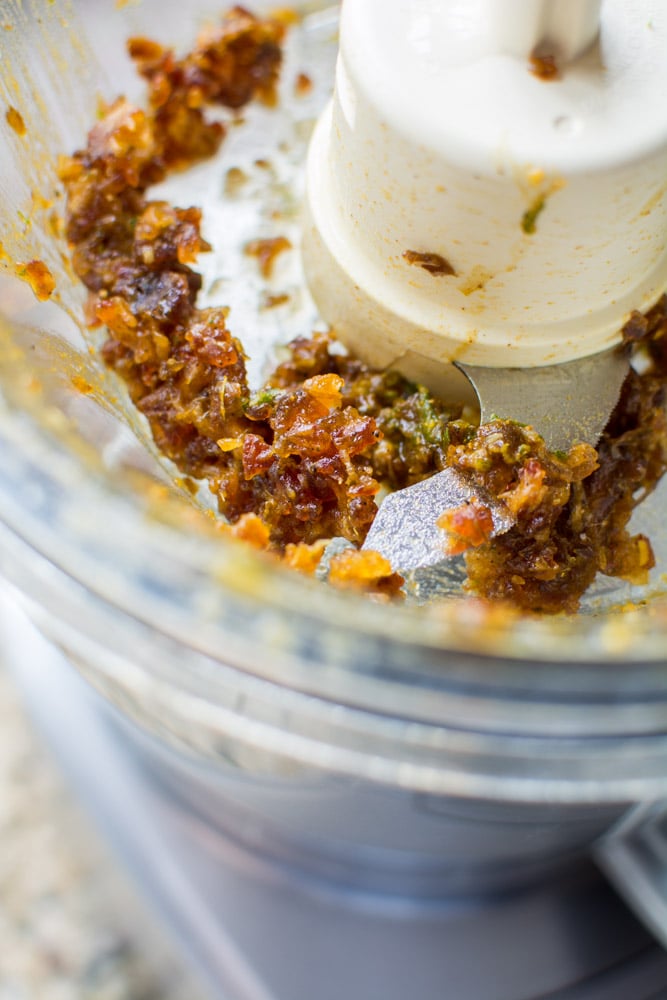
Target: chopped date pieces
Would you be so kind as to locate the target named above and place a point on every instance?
(434, 263)
(572, 511)
(301, 461)
(266, 251)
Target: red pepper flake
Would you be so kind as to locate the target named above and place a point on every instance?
(38, 276)
(468, 526)
(14, 119)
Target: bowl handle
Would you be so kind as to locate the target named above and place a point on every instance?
(633, 856)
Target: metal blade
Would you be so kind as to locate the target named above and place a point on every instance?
(405, 529)
(565, 403)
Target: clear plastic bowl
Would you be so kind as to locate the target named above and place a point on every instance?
(554, 726)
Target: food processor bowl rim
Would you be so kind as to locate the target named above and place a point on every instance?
(334, 680)
(596, 648)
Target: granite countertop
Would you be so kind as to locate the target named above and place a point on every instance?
(71, 927)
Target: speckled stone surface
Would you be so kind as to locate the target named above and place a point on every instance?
(71, 927)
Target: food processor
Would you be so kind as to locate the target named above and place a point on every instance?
(323, 796)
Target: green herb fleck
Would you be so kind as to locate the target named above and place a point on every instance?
(530, 216)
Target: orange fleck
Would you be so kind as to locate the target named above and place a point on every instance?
(358, 565)
(69, 169)
(14, 119)
(115, 314)
(530, 490)
(302, 85)
(286, 16)
(365, 570)
(250, 528)
(544, 66)
(229, 444)
(38, 276)
(273, 301)
(326, 389)
(39, 202)
(82, 385)
(467, 526)
(303, 557)
(56, 225)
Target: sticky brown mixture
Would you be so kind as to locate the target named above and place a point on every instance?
(302, 460)
(572, 511)
(296, 457)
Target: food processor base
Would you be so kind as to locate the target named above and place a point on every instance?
(261, 930)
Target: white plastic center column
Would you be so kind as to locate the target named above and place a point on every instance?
(463, 208)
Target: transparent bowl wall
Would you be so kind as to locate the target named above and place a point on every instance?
(210, 650)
